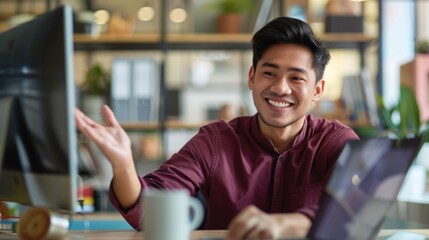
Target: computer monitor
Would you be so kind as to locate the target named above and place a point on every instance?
(38, 148)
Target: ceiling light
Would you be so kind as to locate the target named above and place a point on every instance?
(101, 17)
(146, 13)
(178, 15)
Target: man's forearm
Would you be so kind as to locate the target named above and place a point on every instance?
(127, 187)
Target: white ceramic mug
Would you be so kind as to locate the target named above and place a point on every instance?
(167, 214)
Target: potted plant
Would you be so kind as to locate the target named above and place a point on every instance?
(403, 118)
(97, 81)
(422, 46)
(230, 16)
(95, 91)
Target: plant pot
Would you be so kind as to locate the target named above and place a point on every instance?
(91, 106)
(229, 23)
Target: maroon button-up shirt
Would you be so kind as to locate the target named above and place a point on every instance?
(233, 165)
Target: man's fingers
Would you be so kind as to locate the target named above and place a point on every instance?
(83, 120)
(243, 223)
(253, 223)
(109, 116)
(89, 127)
(261, 231)
(240, 229)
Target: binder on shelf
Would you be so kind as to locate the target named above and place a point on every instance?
(145, 90)
(353, 99)
(369, 97)
(121, 89)
(135, 90)
(359, 99)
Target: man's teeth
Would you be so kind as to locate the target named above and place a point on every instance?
(279, 104)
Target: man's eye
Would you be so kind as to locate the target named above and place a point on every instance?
(297, 78)
(269, 74)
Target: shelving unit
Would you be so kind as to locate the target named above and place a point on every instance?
(163, 42)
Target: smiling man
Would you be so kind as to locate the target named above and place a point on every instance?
(261, 176)
(284, 86)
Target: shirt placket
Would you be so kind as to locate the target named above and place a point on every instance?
(276, 205)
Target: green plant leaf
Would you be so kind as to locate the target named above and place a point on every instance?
(386, 114)
(97, 81)
(409, 112)
(406, 113)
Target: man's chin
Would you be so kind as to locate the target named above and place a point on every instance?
(274, 123)
(278, 122)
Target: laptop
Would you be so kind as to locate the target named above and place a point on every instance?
(362, 188)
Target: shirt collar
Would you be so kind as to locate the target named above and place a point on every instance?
(256, 132)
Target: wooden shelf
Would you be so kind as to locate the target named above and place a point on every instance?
(170, 38)
(117, 42)
(201, 41)
(172, 42)
(346, 37)
(140, 126)
(116, 38)
(174, 124)
(210, 38)
(170, 124)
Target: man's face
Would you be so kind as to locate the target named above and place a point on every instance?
(284, 85)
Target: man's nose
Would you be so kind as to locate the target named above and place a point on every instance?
(281, 86)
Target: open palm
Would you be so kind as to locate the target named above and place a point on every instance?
(111, 138)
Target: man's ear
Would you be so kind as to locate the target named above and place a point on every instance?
(251, 77)
(318, 90)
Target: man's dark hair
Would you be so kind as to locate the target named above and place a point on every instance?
(290, 30)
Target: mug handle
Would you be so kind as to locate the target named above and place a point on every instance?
(197, 217)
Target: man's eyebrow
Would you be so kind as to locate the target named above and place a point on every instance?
(293, 69)
(269, 64)
(298, 69)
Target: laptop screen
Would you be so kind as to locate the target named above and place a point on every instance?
(364, 184)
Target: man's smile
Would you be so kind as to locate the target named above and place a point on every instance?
(279, 104)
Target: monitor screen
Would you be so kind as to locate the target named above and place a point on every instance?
(38, 148)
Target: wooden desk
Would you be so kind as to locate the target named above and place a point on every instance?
(118, 231)
(196, 235)
(199, 235)
(123, 235)
(134, 235)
